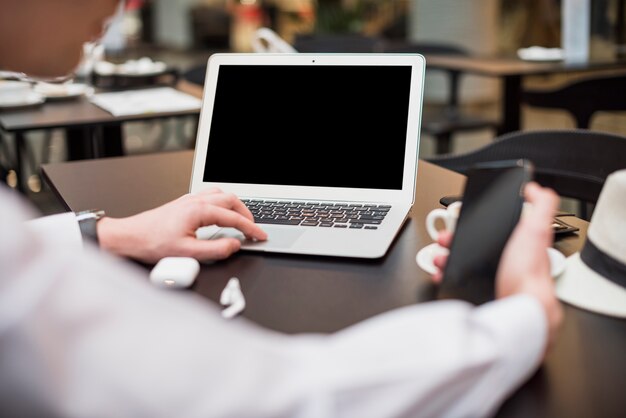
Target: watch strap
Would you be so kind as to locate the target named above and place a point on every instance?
(87, 222)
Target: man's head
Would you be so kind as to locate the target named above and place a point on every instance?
(45, 37)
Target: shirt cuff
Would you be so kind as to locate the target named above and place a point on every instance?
(60, 229)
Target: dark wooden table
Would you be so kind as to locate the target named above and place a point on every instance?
(584, 376)
(511, 71)
(90, 130)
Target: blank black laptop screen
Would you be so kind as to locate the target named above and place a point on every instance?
(328, 126)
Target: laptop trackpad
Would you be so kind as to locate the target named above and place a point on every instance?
(277, 237)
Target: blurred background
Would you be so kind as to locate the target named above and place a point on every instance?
(184, 33)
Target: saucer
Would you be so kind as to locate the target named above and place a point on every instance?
(62, 91)
(557, 262)
(30, 99)
(426, 255)
(143, 67)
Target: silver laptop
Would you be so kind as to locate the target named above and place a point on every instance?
(323, 148)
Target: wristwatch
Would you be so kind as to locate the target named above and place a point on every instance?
(87, 220)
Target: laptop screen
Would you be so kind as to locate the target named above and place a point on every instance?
(329, 126)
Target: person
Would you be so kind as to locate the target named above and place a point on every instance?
(88, 336)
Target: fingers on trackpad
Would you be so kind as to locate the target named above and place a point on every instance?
(215, 232)
(276, 237)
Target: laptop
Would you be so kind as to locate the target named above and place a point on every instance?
(323, 148)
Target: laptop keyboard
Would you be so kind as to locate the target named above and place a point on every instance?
(317, 214)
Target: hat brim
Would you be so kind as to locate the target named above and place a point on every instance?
(580, 286)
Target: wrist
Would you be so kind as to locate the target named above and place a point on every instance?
(543, 291)
(112, 235)
(87, 222)
(117, 236)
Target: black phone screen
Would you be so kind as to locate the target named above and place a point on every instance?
(492, 204)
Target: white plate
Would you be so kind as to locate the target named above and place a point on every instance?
(30, 99)
(142, 73)
(62, 91)
(132, 68)
(425, 257)
(537, 53)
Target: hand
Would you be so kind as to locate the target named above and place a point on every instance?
(170, 230)
(444, 239)
(525, 266)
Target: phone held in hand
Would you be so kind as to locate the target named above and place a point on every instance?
(492, 205)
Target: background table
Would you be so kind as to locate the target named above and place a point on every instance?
(90, 130)
(584, 375)
(511, 71)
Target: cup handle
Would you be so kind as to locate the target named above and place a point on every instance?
(432, 218)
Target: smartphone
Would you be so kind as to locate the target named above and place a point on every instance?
(492, 205)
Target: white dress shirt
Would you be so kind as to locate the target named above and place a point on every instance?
(85, 335)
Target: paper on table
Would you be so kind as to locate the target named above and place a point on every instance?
(139, 102)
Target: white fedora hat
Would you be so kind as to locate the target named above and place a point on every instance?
(595, 278)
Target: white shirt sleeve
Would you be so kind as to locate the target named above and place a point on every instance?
(88, 336)
(61, 229)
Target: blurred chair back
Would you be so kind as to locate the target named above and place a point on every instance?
(575, 163)
(582, 98)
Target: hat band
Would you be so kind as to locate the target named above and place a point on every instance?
(603, 264)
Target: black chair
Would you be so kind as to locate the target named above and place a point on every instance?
(575, 163)
(443, 123)
(582, 98)
(195, 75)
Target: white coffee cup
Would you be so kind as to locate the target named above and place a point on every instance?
(447, 216)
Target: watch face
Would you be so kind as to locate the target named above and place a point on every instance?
(87, 221)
